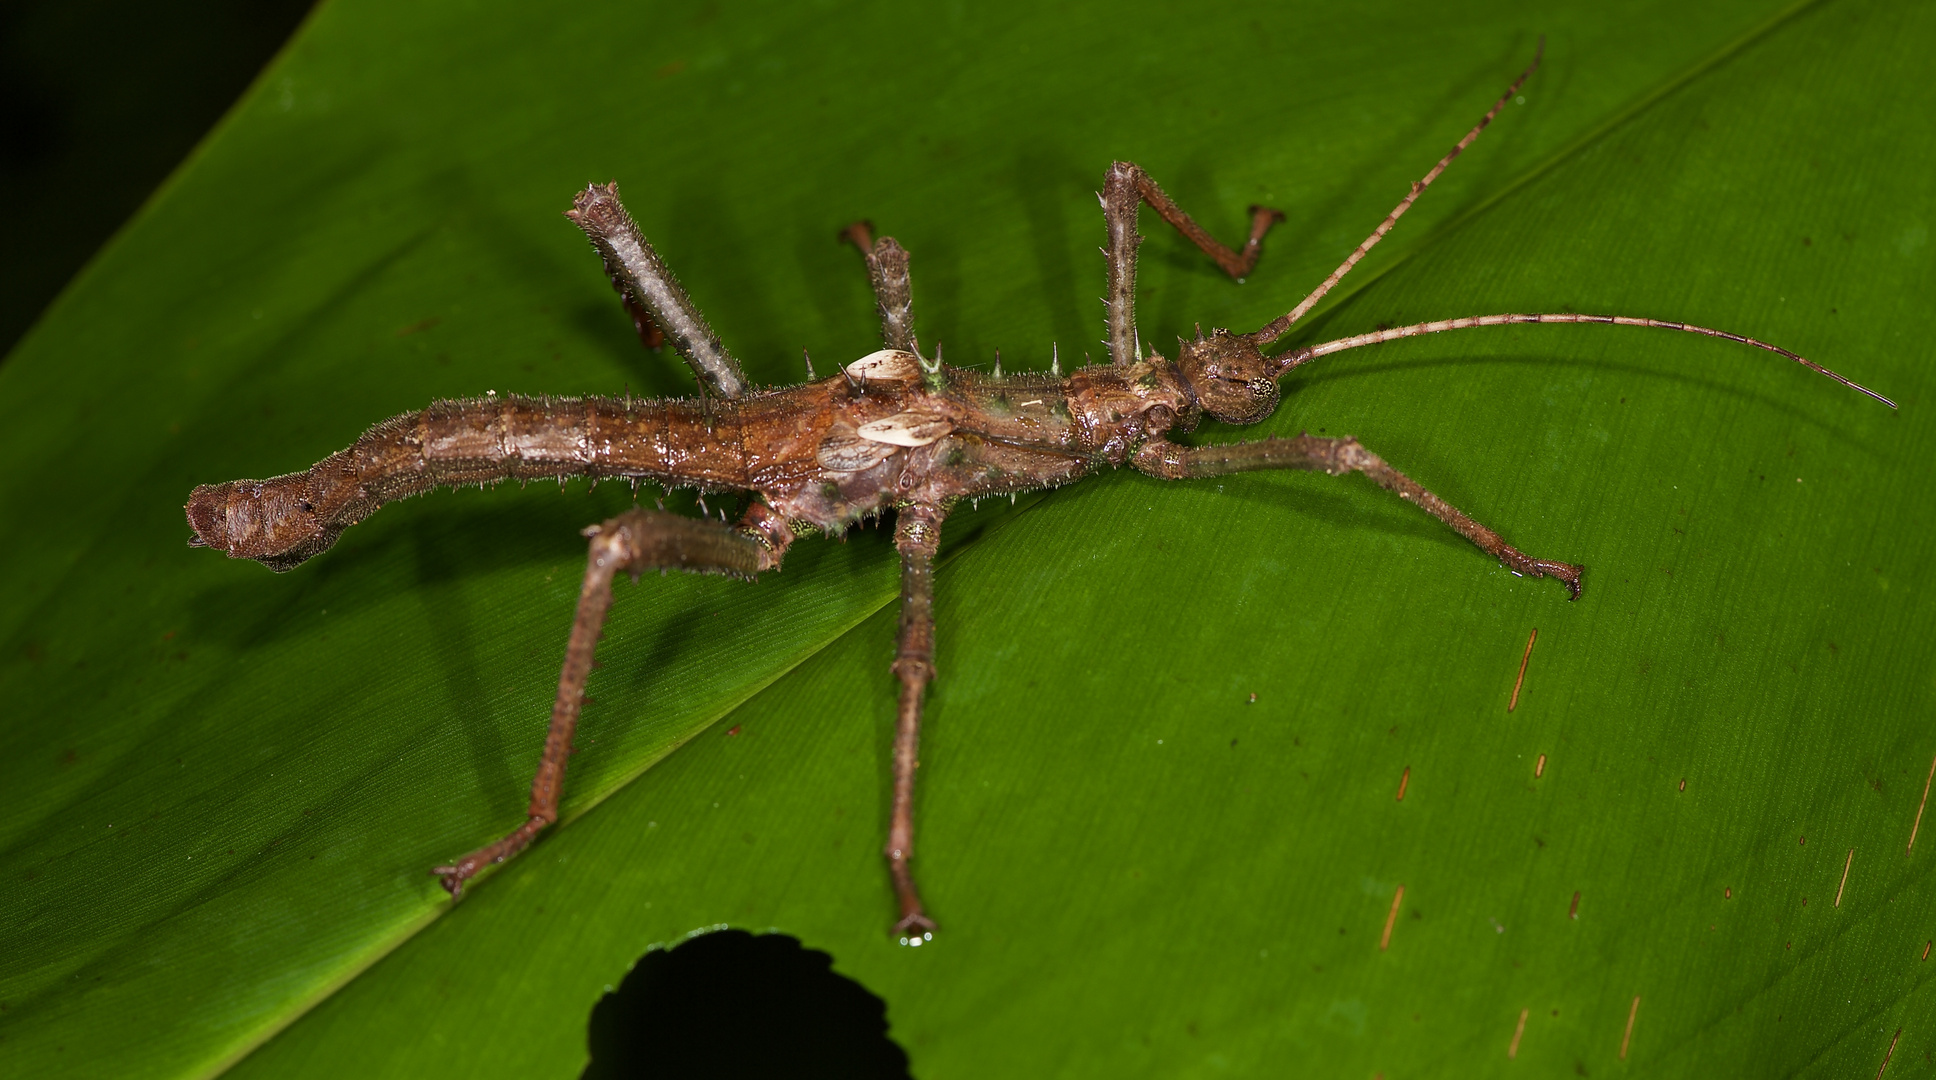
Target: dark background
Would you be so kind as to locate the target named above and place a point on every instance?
(99, 101)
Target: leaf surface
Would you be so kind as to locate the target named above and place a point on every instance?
(221, 789)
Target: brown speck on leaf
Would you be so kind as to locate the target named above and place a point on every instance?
(1628, 1037)
(1574, 911)
(1404, 778)
(1920, 807)
(734, 730)
(1384, 941)
(1520, 681)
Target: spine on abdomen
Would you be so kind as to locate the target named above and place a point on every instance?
(283, 521)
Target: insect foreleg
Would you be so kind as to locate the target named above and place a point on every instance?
(634, 541)
(887, 268)
(652, 295)
(1169, 461)
(917, 535)
(1125, 188)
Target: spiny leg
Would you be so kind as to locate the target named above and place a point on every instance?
(1124, 189)
(1277, 327)
(634, 541)
(916, 535)
(887, 268)
(1169, 461)
(660, 309)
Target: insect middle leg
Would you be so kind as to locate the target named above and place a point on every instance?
(1169, 461)
(887, 268)
(917, 534)
(1124, 190)
(632, 542)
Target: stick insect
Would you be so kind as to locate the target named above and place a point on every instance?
(893, 430)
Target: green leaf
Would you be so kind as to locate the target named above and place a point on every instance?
(221, 789)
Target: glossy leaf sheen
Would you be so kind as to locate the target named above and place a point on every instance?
(221, 789)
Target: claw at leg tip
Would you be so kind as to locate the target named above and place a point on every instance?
(447, 876)
(914, 930)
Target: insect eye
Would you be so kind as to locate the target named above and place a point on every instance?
(306, 508)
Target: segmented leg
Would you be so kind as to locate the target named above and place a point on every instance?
(917, 536)
(632, 542)
(887, 268)
(1277, 327)
(1124, 189)
(1168, 461)
(660, 309)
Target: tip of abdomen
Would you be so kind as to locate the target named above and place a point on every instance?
(270, 521)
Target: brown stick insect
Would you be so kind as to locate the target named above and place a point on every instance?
(892, 430)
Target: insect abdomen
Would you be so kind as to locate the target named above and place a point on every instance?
(282, 521)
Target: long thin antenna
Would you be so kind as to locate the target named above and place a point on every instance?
(1276, 328)
(1299, 357)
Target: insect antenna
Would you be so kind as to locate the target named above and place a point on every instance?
(1299, 357)
(1275, 329)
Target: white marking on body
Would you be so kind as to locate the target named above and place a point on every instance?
(907, 429)
(890, 365)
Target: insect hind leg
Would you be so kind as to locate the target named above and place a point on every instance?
(659, 307)
(632, 542)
